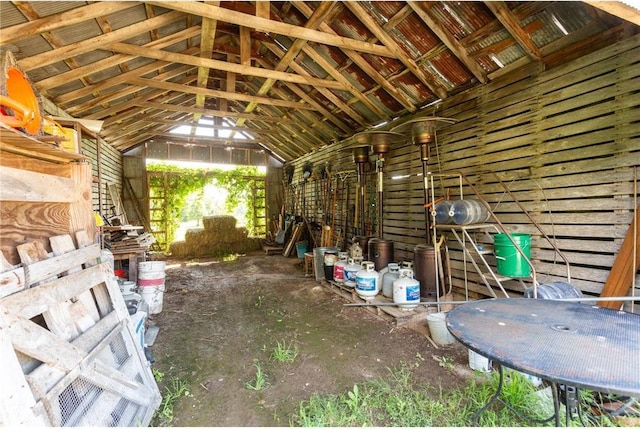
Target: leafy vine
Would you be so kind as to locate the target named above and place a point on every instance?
(172, 185)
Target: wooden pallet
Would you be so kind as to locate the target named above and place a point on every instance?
(69, 354)
(272, 250)
(390, 313)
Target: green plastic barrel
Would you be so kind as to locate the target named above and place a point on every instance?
(509, 261)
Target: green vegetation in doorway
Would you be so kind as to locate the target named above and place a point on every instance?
(169, 187)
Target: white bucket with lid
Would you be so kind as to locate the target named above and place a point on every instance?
(151, 273)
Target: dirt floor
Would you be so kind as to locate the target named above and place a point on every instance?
(220, 319)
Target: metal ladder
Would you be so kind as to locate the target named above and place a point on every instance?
(476, 254)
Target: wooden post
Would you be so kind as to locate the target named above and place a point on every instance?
(624, 268)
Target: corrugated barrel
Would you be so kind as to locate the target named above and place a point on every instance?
(424, 269)
(380, 252)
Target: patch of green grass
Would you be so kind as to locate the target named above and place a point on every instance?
(176, 389)
(284, 352)
(260, 380)
(446, 362)
(397, 401)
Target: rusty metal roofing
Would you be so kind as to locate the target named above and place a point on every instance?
(293, 75)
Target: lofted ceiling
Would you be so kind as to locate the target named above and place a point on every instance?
(284, 77)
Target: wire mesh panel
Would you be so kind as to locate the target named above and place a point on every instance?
(93, 375)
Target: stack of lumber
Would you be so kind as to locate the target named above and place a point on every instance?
(127, 239)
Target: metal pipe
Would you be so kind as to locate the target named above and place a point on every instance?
(380, 164)
(424, 157)
(427, 303)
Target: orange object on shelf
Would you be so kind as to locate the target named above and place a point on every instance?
(19, 89)
(21, 113)
(19, 96)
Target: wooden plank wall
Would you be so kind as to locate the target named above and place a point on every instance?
(566, 142)
(39, 199)
(106, 168)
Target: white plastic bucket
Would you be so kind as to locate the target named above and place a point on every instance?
(144, 267)
(151, 274)
(127, 287)
(153, 296)
(478, 362)
(438, 328)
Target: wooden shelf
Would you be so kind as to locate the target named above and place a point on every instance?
(16, 142)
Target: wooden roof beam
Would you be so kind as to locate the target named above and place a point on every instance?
(450, 42)
(207, 38)
(363, 64)
(156, 83)
(270, 26)
(63, 19)
(106, 99)
(327, 94)
(221, 65)
(388, 41)
(64, 78)
(512, 25)
(211, 112)
(98, 42)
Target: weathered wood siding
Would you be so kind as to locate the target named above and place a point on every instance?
(106, 168)
(566, 142)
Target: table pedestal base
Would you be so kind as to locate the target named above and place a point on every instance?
(571, 400)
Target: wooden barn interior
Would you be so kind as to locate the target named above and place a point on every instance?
(422, 131)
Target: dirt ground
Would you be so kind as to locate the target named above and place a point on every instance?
(219, 319)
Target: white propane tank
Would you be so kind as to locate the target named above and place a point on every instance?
(407, 264)
(350, 272)
(338, 267)
(406, 290)
(388, 279)
(367, 281)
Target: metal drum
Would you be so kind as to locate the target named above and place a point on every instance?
(380, 252)
(424, 269)
(363, 241)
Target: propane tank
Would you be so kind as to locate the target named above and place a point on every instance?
(350, 272)
(406, 290)
(388, 278)
(338, 267)
(355, 251)
(407, 264)
(367, 281)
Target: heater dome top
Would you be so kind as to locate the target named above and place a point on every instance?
(423, 130)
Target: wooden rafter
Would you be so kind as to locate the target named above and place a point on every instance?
(512, 24)
(271, 26)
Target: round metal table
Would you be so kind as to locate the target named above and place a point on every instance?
(567, 343)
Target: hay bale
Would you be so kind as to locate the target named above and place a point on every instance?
(218, 237)
(219, 223)
(179, 249)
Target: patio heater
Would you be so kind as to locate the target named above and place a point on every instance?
(425, 264)
(379, 250)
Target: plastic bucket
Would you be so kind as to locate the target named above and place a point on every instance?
(509, 261)
(318, 260)
(301, 249)
(153, 296)
(478, 362)
(151, 274)
(149, 266)
(438, 328)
